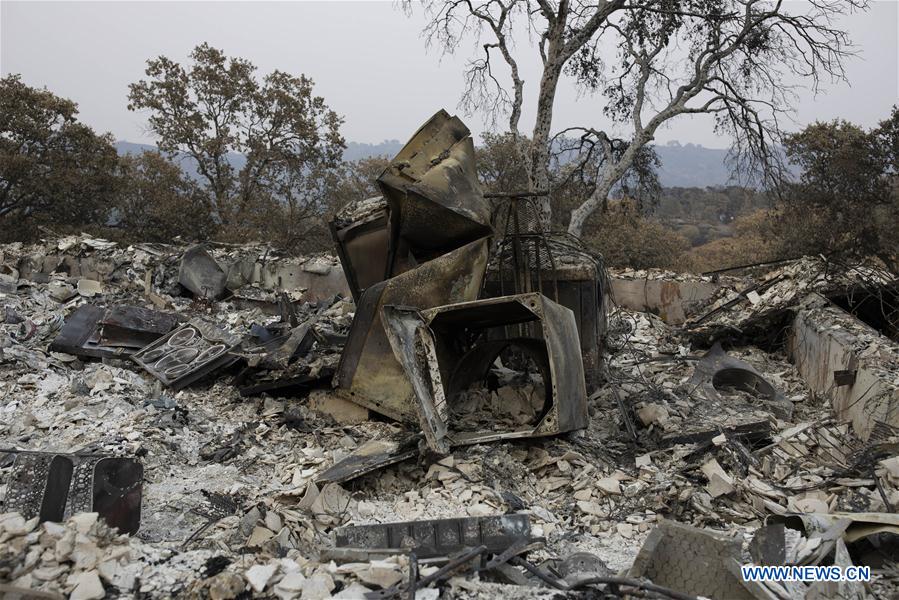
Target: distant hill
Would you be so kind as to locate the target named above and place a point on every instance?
(187, 163)
(687, 165)
(355, 150)
(690, 165)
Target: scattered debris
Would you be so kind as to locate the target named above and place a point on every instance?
(224, 421)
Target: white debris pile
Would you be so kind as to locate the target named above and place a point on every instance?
(780, 288)
(82, 558)
(232, 500)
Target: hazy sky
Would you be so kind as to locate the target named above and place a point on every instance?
(367, 58)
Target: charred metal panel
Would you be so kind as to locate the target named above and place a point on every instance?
(435, 200)
(55, 486)
(718, 369)
(692, 561)
(369, 457)
(422, 341)
(369, 373)
(407, 330)
(111, 333)
(78, 330)
(201, 275)
(188, 354)
(362, 243)
(38, 485)
(109, 486)
(134, 327)
(439, 537)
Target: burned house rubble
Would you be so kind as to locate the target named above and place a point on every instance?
(455, 404)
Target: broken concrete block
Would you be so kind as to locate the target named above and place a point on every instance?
(318, 587)
(609, 485)
(652, 414)
(342, 411)
(60, 291)
(625, 530)
(259, 536)
(8, 283)
(201, 275)
(332, 502)
(89, 288)
(260, 575)
(290, 586)
(591, 508)
(381, 573)
(88, 587)
(720, 483)
(892, 466)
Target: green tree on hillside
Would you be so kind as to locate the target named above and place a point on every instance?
(54, 170)
(259, 145)
(159, 202)
(845, 202)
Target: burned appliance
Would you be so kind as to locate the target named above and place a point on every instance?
(434, 198)
(188, 353)
(368, 373)
(200, 274)
(453, 352)
(53, 487)
(437, 233)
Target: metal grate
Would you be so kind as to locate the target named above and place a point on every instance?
(527, 258)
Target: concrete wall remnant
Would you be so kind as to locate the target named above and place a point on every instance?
(671, 299)
(825, 340)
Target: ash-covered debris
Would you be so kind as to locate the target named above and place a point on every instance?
(433, 438)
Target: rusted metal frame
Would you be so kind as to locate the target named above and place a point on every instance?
(438, 537)
(567, 401)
